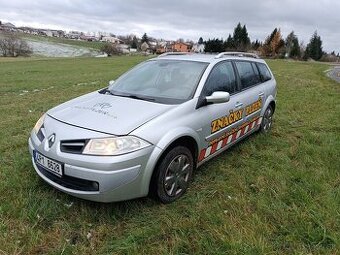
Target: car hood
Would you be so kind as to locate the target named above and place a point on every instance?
(107, 113)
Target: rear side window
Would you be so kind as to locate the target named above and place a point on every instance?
(221, 78)
(257, 74)
(264, 72)
(247, 74)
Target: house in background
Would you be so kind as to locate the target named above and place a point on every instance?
(74, 35)
(111, 39)
(7, 27)
(161, 47)
(172, 47)
(180, 47)
(89, 38)
(47, 32)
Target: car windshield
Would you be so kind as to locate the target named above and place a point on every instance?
(163, 81)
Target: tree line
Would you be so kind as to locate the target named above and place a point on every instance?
(274, 46)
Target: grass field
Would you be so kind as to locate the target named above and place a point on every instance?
(275, 194)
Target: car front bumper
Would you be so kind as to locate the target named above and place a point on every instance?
(98, 178)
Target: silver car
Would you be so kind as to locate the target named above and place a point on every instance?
(149, 130)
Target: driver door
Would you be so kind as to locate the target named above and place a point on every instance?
(220, 121)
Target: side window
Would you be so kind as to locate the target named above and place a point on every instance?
(257, 74)
(247, 74)
(264, 72)
(221, 78)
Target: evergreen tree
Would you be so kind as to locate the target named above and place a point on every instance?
(295, 51)
(145, 38)
(292, 46)
(134, 43)
(214, 45)
(245, 37)
(256, 45)
(200, 40)
(237, 36)
(229, 43)
(240, 38)
(314, 47)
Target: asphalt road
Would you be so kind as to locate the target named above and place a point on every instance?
(335, 73)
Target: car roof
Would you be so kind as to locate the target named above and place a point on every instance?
(209, 58)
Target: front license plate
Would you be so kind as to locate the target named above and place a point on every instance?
(49, 164)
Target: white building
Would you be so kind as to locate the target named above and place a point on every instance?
(111, 39)
(198, 48)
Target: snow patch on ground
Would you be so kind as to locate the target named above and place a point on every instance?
(48, 49)
(334, 73)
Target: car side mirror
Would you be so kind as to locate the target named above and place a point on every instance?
(111, 82)
(218, 97)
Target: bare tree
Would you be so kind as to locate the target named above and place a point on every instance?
(145, 46)
(13, 46)
(111, 49)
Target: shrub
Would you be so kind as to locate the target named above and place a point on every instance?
(13, 46)
(111, 49)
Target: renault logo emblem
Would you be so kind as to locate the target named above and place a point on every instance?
(51, 140)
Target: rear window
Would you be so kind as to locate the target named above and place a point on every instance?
(247, 74)
(264, 72)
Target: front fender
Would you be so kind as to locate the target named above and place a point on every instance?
(175, 134)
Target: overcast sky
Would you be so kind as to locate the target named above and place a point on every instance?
(188, 19)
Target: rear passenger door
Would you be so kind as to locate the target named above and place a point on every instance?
(252, 92)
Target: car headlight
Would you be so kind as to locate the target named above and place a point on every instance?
(39, 123)
(114, 145)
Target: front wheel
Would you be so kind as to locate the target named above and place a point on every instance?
(267, 120)
(173, 174)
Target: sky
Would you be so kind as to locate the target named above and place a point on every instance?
(187, 19)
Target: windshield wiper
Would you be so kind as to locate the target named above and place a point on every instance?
(106, 90)
(136, 97)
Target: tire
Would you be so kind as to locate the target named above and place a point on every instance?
(173, 175)
(267, 120)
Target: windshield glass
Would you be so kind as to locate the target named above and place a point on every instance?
(163, 81)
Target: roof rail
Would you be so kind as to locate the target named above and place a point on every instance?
(173, 54)
(237, 54)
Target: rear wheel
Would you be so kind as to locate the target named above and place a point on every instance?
(267, 120)
(173, 174)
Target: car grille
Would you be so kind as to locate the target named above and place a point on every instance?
(69, 181)
(73, 146)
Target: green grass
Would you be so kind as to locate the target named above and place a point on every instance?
(274, 194)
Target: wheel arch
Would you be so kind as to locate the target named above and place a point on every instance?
(186, 140)
(269, 102)
(273, 105)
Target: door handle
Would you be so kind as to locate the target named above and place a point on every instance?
(261, 94)
(238, 104)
